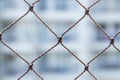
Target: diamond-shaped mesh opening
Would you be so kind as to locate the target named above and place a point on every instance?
(24, 37)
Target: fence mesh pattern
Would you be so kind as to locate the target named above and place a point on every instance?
(86, 66)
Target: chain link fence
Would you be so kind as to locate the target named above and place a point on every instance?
(60, 40)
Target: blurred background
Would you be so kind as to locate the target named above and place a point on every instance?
(30, 38)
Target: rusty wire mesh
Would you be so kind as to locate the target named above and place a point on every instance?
(86, 66)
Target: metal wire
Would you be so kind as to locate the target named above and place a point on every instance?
(86, 66)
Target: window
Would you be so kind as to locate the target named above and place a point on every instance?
(100, 7)
(9, 35)
(43, 4)
(9, 61)
(61, 26)
(105, 6)
(110, 28)
(61, 4)
(109, 60)
(7, 4)
(57, 61)
(41, 32)
(117, 29)
(70, 37)
(117, 5)
(100, 36)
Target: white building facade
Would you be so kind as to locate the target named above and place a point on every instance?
(30, 38)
